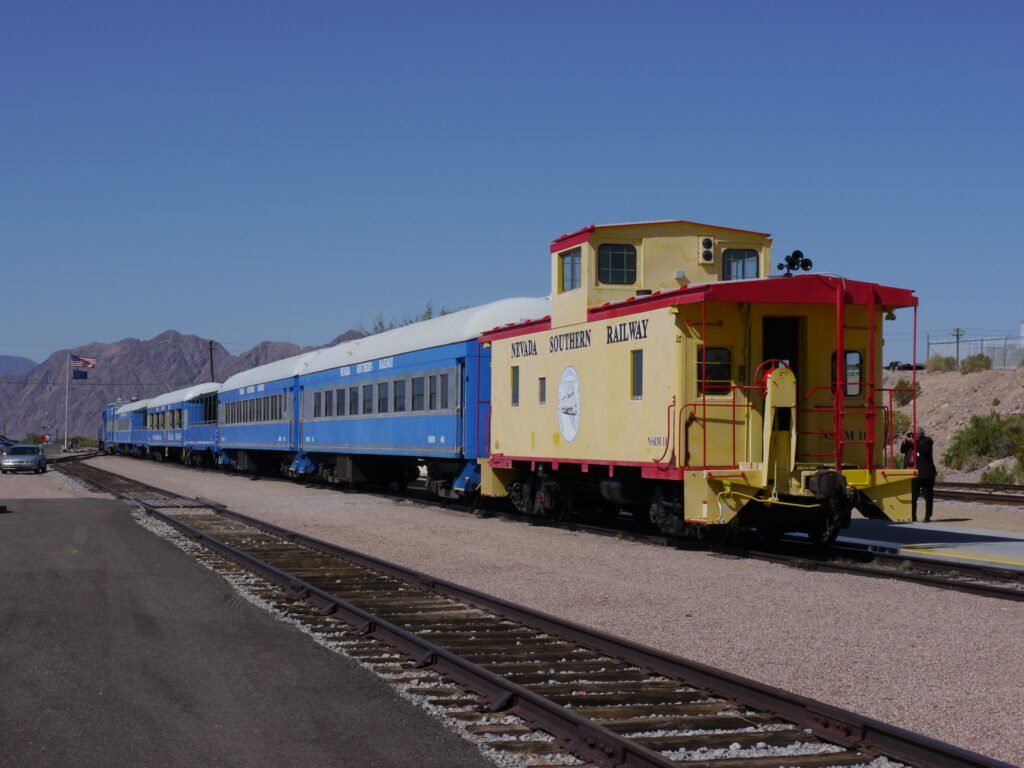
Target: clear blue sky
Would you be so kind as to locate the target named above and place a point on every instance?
(249, 171)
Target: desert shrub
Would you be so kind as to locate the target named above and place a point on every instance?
(907, 394)
(984, 439)
(976, 363)
(938, 363)
(995, 401)
(1001, 475)
(900, 425)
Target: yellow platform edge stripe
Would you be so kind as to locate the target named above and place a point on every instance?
(961, 554)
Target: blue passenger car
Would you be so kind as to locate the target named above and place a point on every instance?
(130, 428)
(257, 417)
(377, 409)
(182, 425)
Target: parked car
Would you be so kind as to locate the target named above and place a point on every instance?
(23, 458)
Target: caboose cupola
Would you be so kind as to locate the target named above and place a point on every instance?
(609, 263)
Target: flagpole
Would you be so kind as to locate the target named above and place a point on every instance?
(67, 395)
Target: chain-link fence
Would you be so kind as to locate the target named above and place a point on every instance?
(1003, 351)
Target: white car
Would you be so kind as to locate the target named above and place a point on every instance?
(22, 458)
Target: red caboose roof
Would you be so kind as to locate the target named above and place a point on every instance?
(797, 289)
(570, 239)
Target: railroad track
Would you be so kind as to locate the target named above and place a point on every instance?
(987, 581)
(985, 493)
(547, 691)
(984, 580)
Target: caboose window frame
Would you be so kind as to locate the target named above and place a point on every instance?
(716, 386)
(570, 265)
(636, 375)
(742, 258)
(616, 264)
(854, 386)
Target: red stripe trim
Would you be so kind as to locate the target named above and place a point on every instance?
(649, 469)
(518, 329)
(574, 238)
(570, 239)
(799, 289)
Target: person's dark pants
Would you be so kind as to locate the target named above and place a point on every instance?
(923, 486)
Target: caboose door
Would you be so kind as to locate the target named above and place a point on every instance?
(781, 341)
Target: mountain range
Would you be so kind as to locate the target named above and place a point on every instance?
(32, 400)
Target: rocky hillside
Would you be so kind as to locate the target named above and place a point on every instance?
(125, 369)
(949, 399)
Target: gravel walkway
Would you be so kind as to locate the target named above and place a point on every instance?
(942, 663)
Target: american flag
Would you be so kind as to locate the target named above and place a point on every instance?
(83, 362)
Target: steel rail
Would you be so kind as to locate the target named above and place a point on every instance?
(983, 493)
(589, 740)
(833, 566)
(816, 562)
(831, 723)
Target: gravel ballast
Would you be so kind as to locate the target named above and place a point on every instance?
(946, 664)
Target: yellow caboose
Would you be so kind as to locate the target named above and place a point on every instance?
(676, 376)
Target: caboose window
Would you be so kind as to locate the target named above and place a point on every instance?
(569, 267)
(739, 264)
(636, 374)
(399, 395)
(417, 393)
(444, 391)
(716, 377)
(339, 396)
(542, 390)
(616, 264)
(316, 405)
(353, 401)
(432, 391)
(854, 372)
(368, 398)
(329, 403)
(515, 385)
(383, 396)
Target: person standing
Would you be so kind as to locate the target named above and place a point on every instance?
(922, 460)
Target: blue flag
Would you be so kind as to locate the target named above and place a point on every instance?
(77, 374)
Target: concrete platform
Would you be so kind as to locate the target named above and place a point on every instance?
(116, 648)
(945, 543)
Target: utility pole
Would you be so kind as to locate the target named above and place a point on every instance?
(212, 377)
(957, 333)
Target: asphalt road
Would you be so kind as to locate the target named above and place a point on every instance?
(117, 649)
